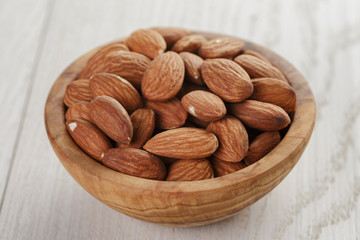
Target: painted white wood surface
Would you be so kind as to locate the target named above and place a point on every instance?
(318, 200)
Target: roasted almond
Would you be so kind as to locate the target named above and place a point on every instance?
(77, 91)
(147, 42)
(135, 162)
(184, 143)
(260, 115)
(258, 68)
(116, 87)
(232, 137)
(204, 105)
(192, 67)
(222, 168)
(256, 54)
(190, 170)
(111, 117)
(88, 137)
(79, 110)
(169, 114)
(225, 47)
(227, 79)
(171, 34)
(143, 122)
(190, 43)
(164, 77)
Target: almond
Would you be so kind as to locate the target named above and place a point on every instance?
(204, 105)
(190, 170)
(164, 77)
(256, 54)
(224, 47)
(111, 117)
(186, 143)
(147, 42)
(261, 146)
(274, 91)
(258, 68)
(88, 137)
(190, 43)
(143, 122)
(222, 168)
(232, 137)
(192, 67)
(129, 65)
(79, 110)
(116, 87)
(171, 34)
(169, 114)
(227, 79)
(135, 162)
(260, 115)
(77, 91)
(96, 62)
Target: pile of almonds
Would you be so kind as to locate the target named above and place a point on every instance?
(166, 104)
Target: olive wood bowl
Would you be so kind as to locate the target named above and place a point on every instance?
(182, 203)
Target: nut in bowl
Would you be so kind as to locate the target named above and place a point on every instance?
(179, 128)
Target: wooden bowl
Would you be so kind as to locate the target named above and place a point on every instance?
(182, 203)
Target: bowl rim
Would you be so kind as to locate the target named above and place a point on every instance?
(294, 141)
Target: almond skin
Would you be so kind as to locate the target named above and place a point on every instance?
(111, 117)
(77, 91)
(171, 34)
(258, 68)
(129, 65)
(184, 143)
(256, 54)
(143, 122)
(226, 79)
(164, 77)
(147, 42)
(96, 62)
(192, 67)
(260, 115)
(203, 105)
(190, 43)
(135, 162)
(190, 170)
(88, 137)
(274, 91)
(261, 146)
(169, 114)
(222, 168)
(116, 87)
(224, 47)
(233, 139)
(79, 110)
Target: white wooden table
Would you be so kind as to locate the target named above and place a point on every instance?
(320, 198)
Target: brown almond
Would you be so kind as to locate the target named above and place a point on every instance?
(256, 54)
(222, 168)
(116, 87)
(190, 43)
(147, 42)
(143, 122)
(135, 162)
(88, 137)
(169, 114)
(111, 117)
(79, 110)
(164, 77)
(262, 145)
(185, 143)
(171, 34)
(204, 105)
(190, 170)
(129, 65)
(232, 137)
(192, 67)
(224, 47)
(260, 115)
(258, 68)
(77, 91)
(274, 91)
(227, 79)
